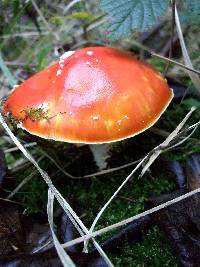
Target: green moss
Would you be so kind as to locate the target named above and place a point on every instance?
(153, 251)
(35, 114)
(87, 199)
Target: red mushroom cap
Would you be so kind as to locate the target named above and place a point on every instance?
(93, 95)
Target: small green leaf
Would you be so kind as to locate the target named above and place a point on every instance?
(132, 14)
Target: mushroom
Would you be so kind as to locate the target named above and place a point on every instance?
(94, 95)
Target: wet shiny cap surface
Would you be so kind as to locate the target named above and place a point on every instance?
(92, 95)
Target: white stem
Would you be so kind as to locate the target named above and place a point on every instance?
(100, 153)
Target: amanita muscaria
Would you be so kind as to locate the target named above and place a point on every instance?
(92, 95)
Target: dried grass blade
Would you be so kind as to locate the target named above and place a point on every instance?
(159, 149)
(65, 259)
(194, 77)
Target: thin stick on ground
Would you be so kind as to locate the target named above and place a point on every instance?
(24, 181)
(103, 172)
(153, 54)
(189, 68)
(8, 200)
(13, 149)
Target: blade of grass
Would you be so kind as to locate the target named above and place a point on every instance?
(65, 259)
(9, 77)
(195, 78)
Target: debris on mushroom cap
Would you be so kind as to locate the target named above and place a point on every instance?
(92, 95)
